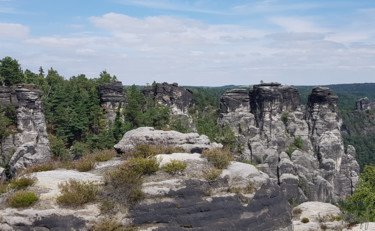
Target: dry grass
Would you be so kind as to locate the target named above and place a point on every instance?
(102, 155)
(22, 199)
(212, 173)
(76, 193)
(146, 150)
(110, 224)
(220, 158)
(21, 183)
(174, 167)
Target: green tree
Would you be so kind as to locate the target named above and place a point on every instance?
(10, 71)
(362, 202)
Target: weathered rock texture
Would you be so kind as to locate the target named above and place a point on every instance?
(364, 104)
(269, 122)
(241, 198)
(112, 96)
(178, 98)
(29, 145)
(190, 142)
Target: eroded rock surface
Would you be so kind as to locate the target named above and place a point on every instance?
(29, 144)
(364, 104)
(190, 142)
(300, 147)
(112, 96)
(178, 98)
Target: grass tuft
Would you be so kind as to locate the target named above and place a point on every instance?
(175, 166)
(212, 173)
(21, 183)
(220, 158)
(22, 199)
(76, 193)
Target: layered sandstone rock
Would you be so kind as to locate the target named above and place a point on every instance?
(30, 144)
(316, 166)
(112, 96)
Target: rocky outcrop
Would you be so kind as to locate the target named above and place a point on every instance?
(301, 148)
(112, 96)
(364, 104)
(177, 98)
(190, 142)
(241, 198)
(317, 216)
(30, 144)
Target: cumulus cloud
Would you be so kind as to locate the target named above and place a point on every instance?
(13, 31)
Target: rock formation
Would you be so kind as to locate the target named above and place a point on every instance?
(364, 104)
(301, 148)
(241, 198)
(30, 144)
(190, 142)
(112, 96)
(179, 100)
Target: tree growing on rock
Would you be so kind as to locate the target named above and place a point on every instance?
(10, 72)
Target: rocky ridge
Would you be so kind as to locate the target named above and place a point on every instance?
(300, 147)
(364, 104)
(30, 144)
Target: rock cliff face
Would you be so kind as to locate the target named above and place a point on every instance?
(301, 148)
(364, 104)
(29, 145)
(179, 100)
(112, 95)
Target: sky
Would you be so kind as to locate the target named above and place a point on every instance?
(194, 42)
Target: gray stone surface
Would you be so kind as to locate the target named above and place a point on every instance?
(112, 95)
(30, 144)
(364, 104)
(267, 122)
(190, 142)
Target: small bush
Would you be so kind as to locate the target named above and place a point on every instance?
(110, 224)
(22, 199)
(220, 158)
(3, 188)
(84, 164)
(247, 190)
(21, 183)
(146, 150)
(78, 149)
(290, 150)
(75, 193)
(297, 211)
(107, 206)
(43, 167)
(144, 166)
(103, 155)
(124, 183)
(175, 166)
(305, 220)
(285, 118)
(212, 173)
(298, 142)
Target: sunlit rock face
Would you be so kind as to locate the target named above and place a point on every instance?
(28, 144)
(112, 96)
(300, 147)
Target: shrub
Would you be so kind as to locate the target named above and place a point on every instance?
(75, 193)
(298, 142)
(175, 166)
(106, 206)
(43, 167)
(220, 158)
(305, 220)
(84, 164)
(285, 118)
(247, 190)
(78, 148)
(21, 183)
(290, 150)
(103, 155)
(144, 166)
(146, 150)
(124, 183)
(212, 173)
(3, 188)
(109, 224)
(22, 199)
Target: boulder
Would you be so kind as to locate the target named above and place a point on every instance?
(190, 142)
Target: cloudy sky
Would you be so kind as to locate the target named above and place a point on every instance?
(195, 42)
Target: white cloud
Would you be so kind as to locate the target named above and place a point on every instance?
(294, 24)
(13, 31)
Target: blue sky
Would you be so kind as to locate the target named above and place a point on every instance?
(195, 42)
